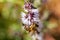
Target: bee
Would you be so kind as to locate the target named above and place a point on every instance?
(32, 28)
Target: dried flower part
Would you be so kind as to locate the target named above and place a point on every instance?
(28, 5)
